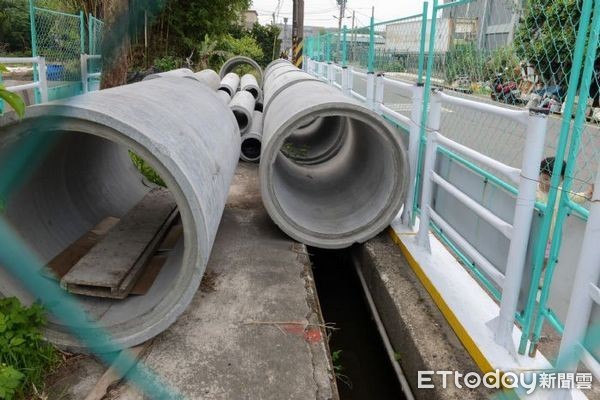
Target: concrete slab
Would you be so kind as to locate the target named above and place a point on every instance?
(254, 330)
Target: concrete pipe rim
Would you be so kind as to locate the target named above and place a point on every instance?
(243, 118)
(184, 285)
(256, 141)
(271, 151)
(236, 61)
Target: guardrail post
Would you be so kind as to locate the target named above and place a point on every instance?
(370, 90)
(414, 138)
(433, 126)
(43, 79)
(580, 306)
(523, 216)
(330, 73)
(346, 87)
(379, 92)
(84, 73)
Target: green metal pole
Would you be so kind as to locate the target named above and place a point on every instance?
(319, 46)
(371, 60)
(328, 48)
(82, 31)
(91, 47)
(564, 202)
(542, 239)
(422, 47)
(424, 115)
(344, 47)
(34, 53)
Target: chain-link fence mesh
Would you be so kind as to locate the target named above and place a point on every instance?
(58, 38)
(358, 47)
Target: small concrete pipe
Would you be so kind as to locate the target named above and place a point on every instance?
(249, 84)
(251, 141)
(224, 96)
(84, 174)
(230, 83)
(174, 73)
(356, 186)
(209, 77)
(242, 106)
(234, 62)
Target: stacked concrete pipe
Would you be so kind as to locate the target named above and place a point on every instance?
(209, 77)
(174, 73)
(237, 61)
(248, 83)
(230, 84)
(332, 172)
(84, 173)
(251, 141)
(242, 106)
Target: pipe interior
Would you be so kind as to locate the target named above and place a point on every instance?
(343, 191)
(251, 148)
(226, 90)
(315, 139)
(242, 119)
(80, 180)
(253, 91)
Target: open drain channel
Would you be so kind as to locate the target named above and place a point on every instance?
(363, 365)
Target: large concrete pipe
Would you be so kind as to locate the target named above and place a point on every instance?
(249, 84)
(280, 77)
(251, 141)
(273, 64)
(234, 62)
(85, 175)
(230, 83)
(224, 96)
(174, 73)
(347, 197)
(242, 106)
(209, 77)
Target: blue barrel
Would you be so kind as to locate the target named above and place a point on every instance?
(55, 72)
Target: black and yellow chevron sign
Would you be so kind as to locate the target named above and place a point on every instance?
(298, 53)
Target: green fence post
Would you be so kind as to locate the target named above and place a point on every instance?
(371, 60)
(344, 47)
(34, 53)
(424, 115)
(328, 48)
(319, 46)
(91, 47)
(422, 47)
(542, 239)
(82, 31)
(564, 200)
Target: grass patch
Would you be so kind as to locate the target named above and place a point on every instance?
(146, 170)
(25, 357)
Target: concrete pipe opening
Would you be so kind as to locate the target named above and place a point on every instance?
(240, 64)
(251, 148)
(83, 176)
(348, 194)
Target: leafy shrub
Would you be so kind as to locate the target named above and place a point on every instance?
(25, 356)
(167, 63)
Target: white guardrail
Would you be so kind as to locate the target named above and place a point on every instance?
(41, 84)
(517, 231)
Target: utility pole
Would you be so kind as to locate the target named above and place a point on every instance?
(342, 4)
(285, 36)
(298, 32)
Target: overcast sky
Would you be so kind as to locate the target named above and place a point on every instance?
(321, 12)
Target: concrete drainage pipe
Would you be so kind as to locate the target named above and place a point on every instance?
(249, 84)
(230, 84)
(251, 141)
(174, 73)
(209, 77)
(347, 197)
(85, 175)
(242, 106)
(234, 62)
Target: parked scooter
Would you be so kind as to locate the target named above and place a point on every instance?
(505, 92)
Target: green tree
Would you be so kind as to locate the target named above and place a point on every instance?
(546, 37)
(267, 38)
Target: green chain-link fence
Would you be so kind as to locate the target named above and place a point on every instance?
(514, 54)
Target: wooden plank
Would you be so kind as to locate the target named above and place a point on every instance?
(63, 262)
(113, 375)
(111, 268)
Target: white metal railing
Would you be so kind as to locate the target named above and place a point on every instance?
(41, 84)
(519, 230)
(85, 74)
(572, 349)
